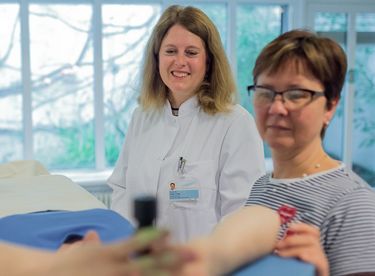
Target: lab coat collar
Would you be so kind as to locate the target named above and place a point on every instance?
(187, 108)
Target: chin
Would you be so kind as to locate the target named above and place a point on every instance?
(279, 144)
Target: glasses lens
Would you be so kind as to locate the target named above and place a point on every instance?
(296, 98)
(262, 96)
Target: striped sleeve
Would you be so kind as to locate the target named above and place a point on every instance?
(350, 233)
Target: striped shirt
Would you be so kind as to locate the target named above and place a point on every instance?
(337, 201)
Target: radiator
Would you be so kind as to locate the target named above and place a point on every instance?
(101, 191)
(104, 197)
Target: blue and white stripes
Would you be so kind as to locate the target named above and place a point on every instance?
(337, 201)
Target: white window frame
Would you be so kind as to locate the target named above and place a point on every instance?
(294, 19)
(351, 8)
(300, 14)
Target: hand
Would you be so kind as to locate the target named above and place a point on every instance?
(90, 237)
(303, 242)
(94, 259)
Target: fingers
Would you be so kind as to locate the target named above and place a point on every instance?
(303, 235)
(300, 252)
(303, 228)
(164, 263)
(163, 259)
(143, 239)
(313, 255)
(91, 236)
(304, 244)
(147, 236)
(297, 240)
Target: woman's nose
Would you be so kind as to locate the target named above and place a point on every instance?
(180, 60)
(278, 106)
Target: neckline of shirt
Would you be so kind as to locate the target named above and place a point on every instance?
(190, 106)
(308, 177)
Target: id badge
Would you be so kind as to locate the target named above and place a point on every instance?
(183, 189)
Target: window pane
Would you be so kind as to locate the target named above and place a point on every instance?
(218, 14)
(256, 26)
(125, 34)
(333, 25)
(62, 85)
(11, 136)
(365, 23)
(364, 115)
(330, 22)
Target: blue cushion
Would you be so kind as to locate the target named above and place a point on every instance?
(50, 229)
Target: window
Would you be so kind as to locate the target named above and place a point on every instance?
(351, 135)
(256, 26)
(364, 99)
(334, 25)
(72, 71)
(125, 34)
(61, 51)
(11, 135)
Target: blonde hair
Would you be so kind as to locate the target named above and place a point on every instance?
(218, 90)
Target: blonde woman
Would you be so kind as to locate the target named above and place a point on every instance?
(187, 130)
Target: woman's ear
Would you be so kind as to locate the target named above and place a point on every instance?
(330, 111)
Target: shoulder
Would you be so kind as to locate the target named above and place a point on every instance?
(236, 114)
(142, 115)
(239, 111)
(349, 228)
(351, 195)
(340, 186)
(238, 122)
(339, 181)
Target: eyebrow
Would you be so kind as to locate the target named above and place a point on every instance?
(190, 46)
(292, 86)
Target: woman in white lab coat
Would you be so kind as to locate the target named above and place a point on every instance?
(187, 131)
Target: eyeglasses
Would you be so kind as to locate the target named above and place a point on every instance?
(293, 99)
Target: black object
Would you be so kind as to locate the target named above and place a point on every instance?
(145, 214)
(145, 211)
(72, 238)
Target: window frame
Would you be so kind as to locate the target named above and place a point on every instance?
(294, 7)
(351, 8)
(300, 14)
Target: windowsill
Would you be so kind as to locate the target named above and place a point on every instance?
(87, 178)
(91, 178)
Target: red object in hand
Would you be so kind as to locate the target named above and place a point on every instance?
(289, 232)
(286, 213)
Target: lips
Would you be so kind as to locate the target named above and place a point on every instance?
(180, 74)
(278, 127)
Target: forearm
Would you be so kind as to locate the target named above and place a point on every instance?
(243, 236)
(18, 261)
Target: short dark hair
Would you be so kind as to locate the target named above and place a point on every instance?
(322, 56)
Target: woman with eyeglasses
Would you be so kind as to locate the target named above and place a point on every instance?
(297, 84)
(326, 212)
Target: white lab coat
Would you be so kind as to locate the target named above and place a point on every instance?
(223, 152)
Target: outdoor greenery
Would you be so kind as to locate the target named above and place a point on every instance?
(63, 100)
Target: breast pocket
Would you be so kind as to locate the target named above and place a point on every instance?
(201, 176)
